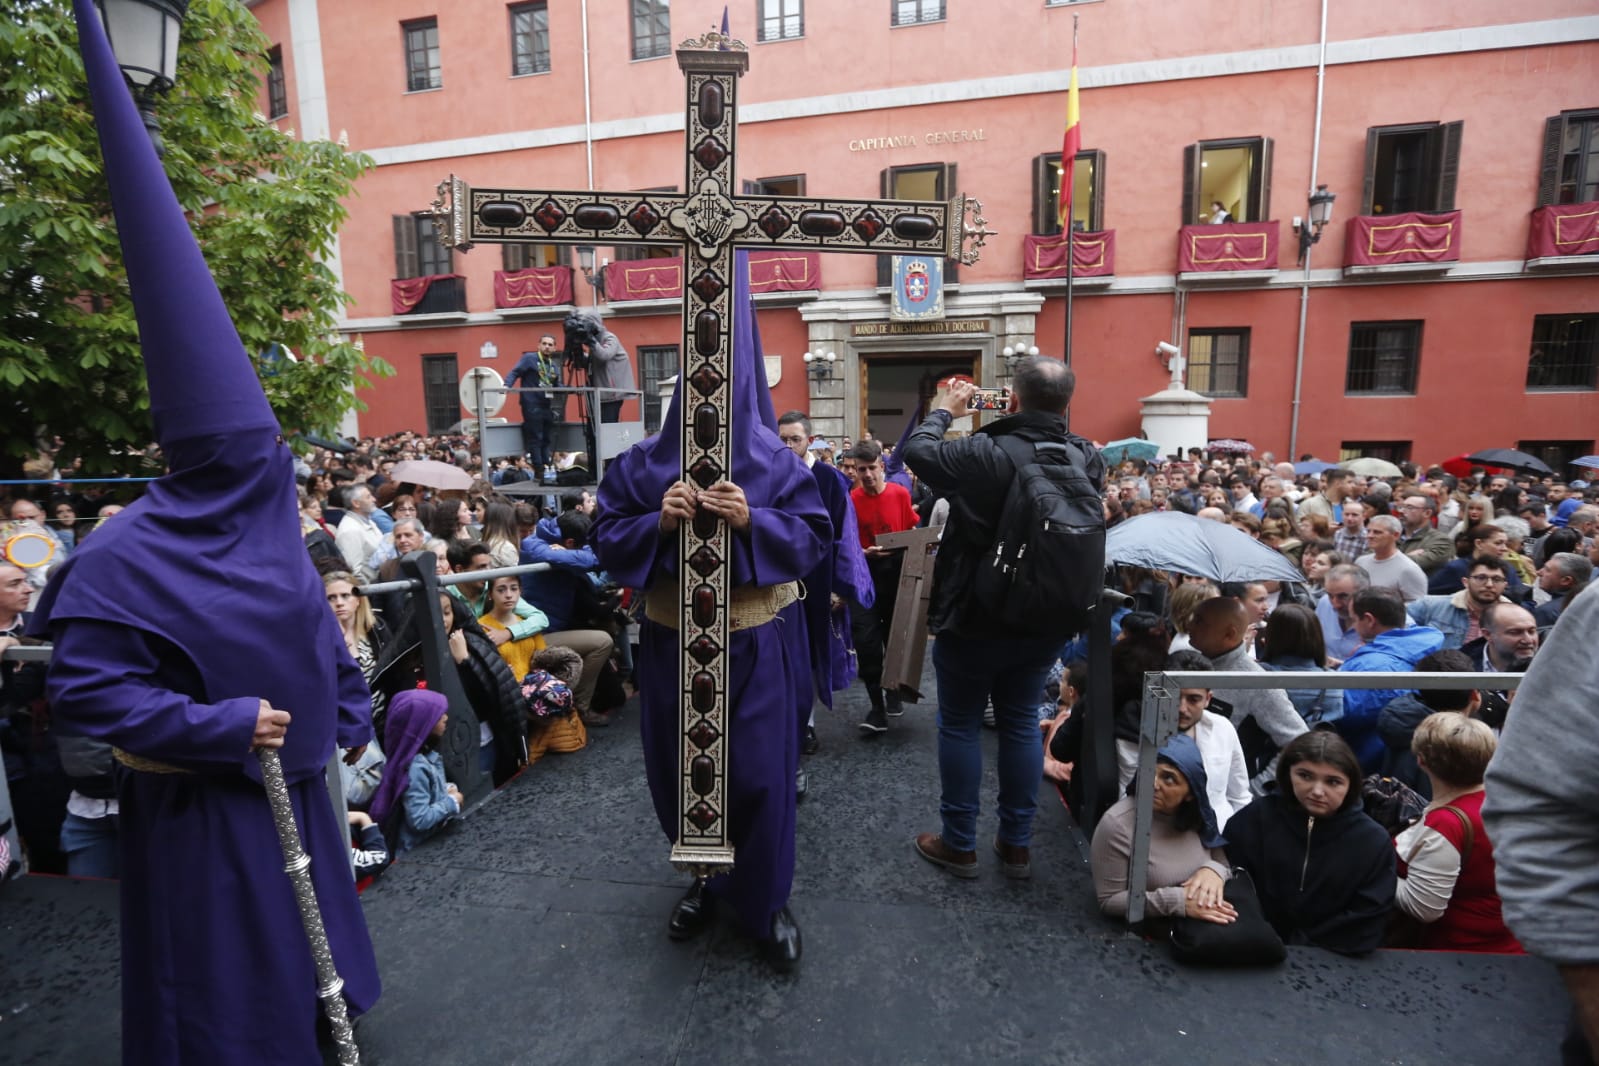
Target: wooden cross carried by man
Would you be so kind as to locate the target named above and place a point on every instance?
(707, 222)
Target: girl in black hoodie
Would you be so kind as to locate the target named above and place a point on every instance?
(1324, 870)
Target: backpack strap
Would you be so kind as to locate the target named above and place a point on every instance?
(1467, 831)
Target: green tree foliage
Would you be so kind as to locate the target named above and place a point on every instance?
(265, 206)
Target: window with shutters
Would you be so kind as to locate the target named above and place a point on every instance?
(923, 181)
(417, 251)
(530, 39)
(652, 29)
(1570, 172)
(441, 392)
(1218, 361)
(1227, 181)
(787, 185)
(522, 256)
(658, 363)
(1411, 168)
(1383, 357)
(277, 89)
(911, 12)
(422, 69)
(780, 20)
(1088, 192)
(1565, 353)
(1558, 454)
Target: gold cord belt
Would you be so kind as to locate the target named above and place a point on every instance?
(752, 605)
(148, 766)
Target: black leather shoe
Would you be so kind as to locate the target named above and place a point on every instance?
(812, 745)
(692, 914)
(783, 948)
(802, 785)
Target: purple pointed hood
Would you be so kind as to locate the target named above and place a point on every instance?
(411, 717)
(211, 558)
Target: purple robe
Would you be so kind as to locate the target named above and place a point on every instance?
(769, 666)
(162, 651)
(844, 572)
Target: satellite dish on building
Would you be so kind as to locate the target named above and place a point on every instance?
(492, 386)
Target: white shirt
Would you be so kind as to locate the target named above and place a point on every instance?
(358, 537)
(1226, 773)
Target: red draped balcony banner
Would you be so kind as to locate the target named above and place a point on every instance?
(644, 279)
(533, 287)
(1093, 255)
(406, 293)
(1564, 229)
(1231, 246)
(785, 271)
(1412, 237)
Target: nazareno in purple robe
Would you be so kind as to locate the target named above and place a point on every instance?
(769, 671)
(163, 652)
(843, 571)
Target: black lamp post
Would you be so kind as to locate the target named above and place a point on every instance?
(820, 365)
(144, 38)
(1309, 230)
(585, 264)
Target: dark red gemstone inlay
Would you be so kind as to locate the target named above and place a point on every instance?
(597, 216)
(502, 213)
(774, 222)
(707, 286)
(703, 650)
(706, 524)
(643, 218)
(703, 815)
(915, 227)
(706, 380)
(704, 611)
(705, 561)
(707, 423)
(868, 225)
(709, 153)
(712, 104)
(702, 774)
(549, 215)
(702, 697)
(821, 223)
(707, 332)
(705, 473)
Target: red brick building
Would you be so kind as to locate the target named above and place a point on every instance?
(1451, 304)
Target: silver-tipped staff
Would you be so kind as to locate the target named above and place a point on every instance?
(297, 864)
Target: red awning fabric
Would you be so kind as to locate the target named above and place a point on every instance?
(533, 287)
(1093, 255)
(785, 271)
(1208, 249)
(1412, 237)
(1564, 229)
(645, 279)
(406, 293)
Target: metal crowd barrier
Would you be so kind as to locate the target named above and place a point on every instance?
(1159, 722)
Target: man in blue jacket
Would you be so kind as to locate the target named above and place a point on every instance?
(1392, 644)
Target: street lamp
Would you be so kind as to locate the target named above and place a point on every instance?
(1310, 228)
(144, 38)
(595, 278)
(820, 365)
(1012, 353)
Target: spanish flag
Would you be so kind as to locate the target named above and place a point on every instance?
(1071, 144)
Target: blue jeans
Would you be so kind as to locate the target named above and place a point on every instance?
(969, 671)
(91, 846)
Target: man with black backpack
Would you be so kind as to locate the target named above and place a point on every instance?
(1019, 570)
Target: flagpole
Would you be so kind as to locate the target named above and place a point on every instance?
(1071, 238)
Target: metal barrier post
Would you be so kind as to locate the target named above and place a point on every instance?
(1157, 722)
(1096, 773)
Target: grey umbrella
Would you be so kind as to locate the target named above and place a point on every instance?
(1171, 540)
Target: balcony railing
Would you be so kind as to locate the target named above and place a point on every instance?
(533, 287)
(1416, 242)
(1231, 251)
(435, 294)
(1564, 235)
(1093, 256)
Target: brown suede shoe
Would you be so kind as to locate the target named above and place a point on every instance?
(595, 719)
(931, 847)
(1016, 861)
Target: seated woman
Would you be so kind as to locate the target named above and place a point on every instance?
(1186, 866)
(1323, 868)
(1446, 869)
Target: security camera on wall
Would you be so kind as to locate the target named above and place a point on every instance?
(1166, 350)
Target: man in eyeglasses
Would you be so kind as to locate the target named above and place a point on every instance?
(1459, 617)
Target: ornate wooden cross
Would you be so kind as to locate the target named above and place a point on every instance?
(707, 223)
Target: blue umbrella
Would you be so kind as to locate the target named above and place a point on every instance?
(1172, 540)
(1129, 448)
(1589, 461)
(1313, 466)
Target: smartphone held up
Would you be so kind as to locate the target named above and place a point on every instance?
(989, 400)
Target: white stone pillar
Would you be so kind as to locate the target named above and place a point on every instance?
(1176, 419)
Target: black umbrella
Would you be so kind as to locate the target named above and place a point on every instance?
(339, 446)
(1510, 459)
